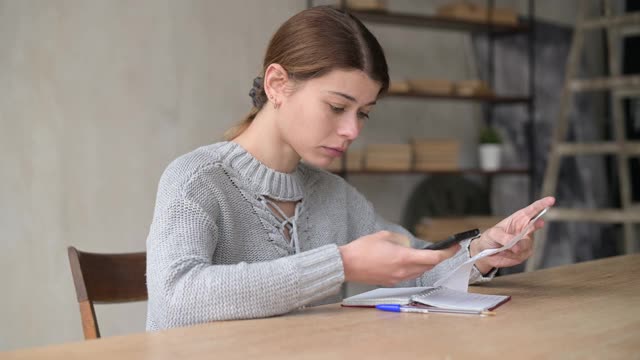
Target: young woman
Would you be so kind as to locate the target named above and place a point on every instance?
(252, 227)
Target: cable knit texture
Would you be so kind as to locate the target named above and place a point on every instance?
(215, 250)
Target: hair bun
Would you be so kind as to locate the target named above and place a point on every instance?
(258, 96)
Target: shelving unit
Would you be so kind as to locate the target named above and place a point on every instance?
(494, 31)
(492, 99)
(434, 22)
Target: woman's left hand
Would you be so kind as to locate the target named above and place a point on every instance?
(503, 232)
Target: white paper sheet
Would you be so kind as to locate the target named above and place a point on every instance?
(458, 279)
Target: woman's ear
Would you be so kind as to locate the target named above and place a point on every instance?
(276, 81)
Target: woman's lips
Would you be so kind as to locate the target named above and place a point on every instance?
(334, 152)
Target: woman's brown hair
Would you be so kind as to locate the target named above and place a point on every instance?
(311, 44)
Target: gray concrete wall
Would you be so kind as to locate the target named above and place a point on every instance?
(97, 97)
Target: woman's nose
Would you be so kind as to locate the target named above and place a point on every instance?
(349, 128)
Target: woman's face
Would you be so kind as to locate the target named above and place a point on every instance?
(321, 117)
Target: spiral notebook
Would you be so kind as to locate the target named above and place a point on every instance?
(438, 297)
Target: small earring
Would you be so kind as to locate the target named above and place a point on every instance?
(276, 104)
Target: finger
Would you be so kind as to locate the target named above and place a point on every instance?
(508, 254)
(491, 243)
(537, 206)
(450, 251)
(511, 258)
(525, 254)
(431, 257)
(400, 239)
(415, 271)
(498, 238)
(539, 224)
(523, 245)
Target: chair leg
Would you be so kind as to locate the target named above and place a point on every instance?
(89, 323)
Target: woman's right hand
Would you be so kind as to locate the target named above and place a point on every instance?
(384, 258)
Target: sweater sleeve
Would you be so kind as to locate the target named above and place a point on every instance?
(185, 288)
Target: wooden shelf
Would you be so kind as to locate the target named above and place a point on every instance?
(493, 99)
(435, 172)
(435, 22)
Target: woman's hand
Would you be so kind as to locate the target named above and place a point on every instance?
(385, 258)
(503, 232)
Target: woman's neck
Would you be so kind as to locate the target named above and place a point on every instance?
(263, 140)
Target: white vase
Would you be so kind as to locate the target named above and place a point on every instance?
(490, 156)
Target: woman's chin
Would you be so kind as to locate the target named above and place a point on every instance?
(322, 163)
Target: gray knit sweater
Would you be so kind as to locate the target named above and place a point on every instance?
(216, 251)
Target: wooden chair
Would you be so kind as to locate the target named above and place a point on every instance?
(106, 279)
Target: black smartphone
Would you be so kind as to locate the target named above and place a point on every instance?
(453, 239)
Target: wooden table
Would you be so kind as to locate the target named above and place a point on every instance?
(587, 310)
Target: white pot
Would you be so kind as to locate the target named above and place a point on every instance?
(490, 156)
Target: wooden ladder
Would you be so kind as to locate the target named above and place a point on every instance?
(620, 87)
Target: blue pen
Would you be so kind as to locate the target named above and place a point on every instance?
(413, 309)
(400, 308)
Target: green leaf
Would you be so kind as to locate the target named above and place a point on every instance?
(489, 135)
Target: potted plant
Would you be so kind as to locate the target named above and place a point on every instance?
(490, 144)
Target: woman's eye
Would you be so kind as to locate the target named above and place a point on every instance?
(363, 115)
(337, 109)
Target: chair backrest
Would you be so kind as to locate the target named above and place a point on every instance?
(106, 279)
(445, 196)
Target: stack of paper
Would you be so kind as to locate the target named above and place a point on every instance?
(433, 155)
(432, 86)
(399, 87)
(464, 10)
(366, 5)
(391, 157)
(473, 88)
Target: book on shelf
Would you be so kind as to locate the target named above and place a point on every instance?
(441, 87)
(466, 11)
(366, 5)
(431, 86)
(399, 87)
(473, 88)
(436, 154)
(388, 157)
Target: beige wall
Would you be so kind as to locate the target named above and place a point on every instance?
(97, 96)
